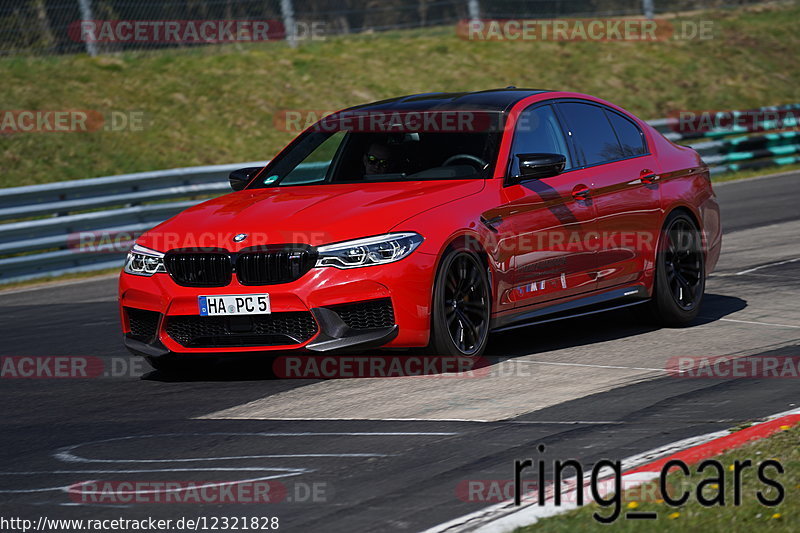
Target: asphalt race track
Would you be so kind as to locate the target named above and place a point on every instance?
(391, 453)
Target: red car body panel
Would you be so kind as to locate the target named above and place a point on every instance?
(293, 214)
(523, 275)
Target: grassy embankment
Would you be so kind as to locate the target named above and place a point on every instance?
(212, 105)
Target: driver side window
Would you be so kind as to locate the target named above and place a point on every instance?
(538, 131)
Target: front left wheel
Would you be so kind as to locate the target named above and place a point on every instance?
(461, 305)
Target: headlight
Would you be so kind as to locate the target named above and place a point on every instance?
(370, 251)
(143, 261)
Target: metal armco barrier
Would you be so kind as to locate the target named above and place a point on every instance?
(52, 246)
(44, 228)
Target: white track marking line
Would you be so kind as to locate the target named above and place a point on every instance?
(376, 419)
(527, 361)
(767, 266)
(77, 459)
(75, 487)
(286, 472)
(563, 422)
(65, 454)
(101, 505)
(70, 488)
(753, 322)
(476, 420)
(152, 470)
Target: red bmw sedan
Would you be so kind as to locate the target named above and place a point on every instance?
(430, 221)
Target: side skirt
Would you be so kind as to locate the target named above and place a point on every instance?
(588, 305)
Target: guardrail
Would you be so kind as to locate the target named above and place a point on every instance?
(52, 246)
(747, 150)
(46, 226)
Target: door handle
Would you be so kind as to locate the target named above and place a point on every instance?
(581, 192)
(648, 176)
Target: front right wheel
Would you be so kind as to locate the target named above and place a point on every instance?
(680, 273)
(461, 305)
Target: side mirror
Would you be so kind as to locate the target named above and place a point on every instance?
(240, 178)
(537, 166)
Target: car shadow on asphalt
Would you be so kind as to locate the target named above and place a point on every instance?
(602, 327)
(609, 326)
(252, 367)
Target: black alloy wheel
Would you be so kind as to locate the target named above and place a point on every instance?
(680, 273)
(462, 305)
(683, 260)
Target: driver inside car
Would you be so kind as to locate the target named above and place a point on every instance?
(378, 159)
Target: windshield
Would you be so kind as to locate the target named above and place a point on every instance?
(335, 152)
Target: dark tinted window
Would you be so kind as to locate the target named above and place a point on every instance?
(538, 131)
(591, 132)
(319, 157)
(628, 133)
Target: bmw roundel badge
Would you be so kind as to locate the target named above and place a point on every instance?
(240, 237)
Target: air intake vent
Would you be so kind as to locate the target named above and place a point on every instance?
(143, 324)
(276, 329)
(367, 315)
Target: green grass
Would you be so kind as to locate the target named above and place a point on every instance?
(750, 516)
(216, 105)
(59, 279)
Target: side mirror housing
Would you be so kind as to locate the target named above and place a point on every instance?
(537, 166)
(240, 178)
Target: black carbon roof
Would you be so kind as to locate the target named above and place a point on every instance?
(491, 100)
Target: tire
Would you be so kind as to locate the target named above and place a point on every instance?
(680, 273)
(461, 305)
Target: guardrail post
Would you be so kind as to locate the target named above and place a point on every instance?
(474, 9)
(86, 14)
(287, 11)
(648, 8)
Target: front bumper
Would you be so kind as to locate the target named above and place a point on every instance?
(326, 309)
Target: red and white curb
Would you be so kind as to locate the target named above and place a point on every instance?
(638, 469)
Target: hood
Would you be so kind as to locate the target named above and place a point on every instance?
(309, 214)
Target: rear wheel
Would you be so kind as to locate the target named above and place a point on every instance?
(461, 305)
(680, 273)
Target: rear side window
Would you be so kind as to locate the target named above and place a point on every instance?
(591, 132)
(538, 131)
(630, 136)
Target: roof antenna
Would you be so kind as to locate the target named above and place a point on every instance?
(511, 87)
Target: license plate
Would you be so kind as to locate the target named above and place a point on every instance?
(234, 304)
